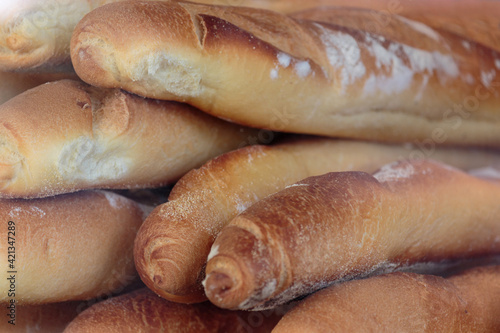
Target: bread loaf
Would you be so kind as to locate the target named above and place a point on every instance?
(143, 311)
(344, 225)
(172, 245)
(310, 77)
(66, 136)
(45, 318)
(69, 247)
(403, 302)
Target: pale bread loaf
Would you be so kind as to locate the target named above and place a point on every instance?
(68, 247)
(403, 302)
(268, 70)
(339, 226)
(66, 136)
(172, 245)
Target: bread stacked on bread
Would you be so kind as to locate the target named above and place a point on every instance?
(177, 236)
(163, 94)
(268, 70)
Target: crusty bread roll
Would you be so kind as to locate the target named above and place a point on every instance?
(44, 318)
(338, 226)
(143, 311)
(12, 84)
(69, 247)
(268, 70)
(402, 302)
(172, 245)
(66, 136)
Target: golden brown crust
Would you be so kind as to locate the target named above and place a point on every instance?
(69, 247)
(328, 79)
(402, 302)
(341, 225)
(66, 136)
(172, 245)
(143, 311)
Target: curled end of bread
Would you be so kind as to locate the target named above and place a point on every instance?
(244, 274)
(167, 264)
(226, 284)
(165, 276)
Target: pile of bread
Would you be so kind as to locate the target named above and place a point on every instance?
(329, 168)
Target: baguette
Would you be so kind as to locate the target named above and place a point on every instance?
(403, 302)
(69, 247)
(45, 318)
(344, 225)
(172, 245)
(66, 136)
(310, 77)
(143, 311)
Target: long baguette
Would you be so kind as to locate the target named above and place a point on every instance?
(66, 136)
(342, 225)
(403, 302)
(142, 311)
(69, 247)
(310, 77)
(173, 243)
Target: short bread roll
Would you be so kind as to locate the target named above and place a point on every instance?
(69, 247)
(66, 136)
(172, 245)
(403, 302)
(268, 70)
(339, 226)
